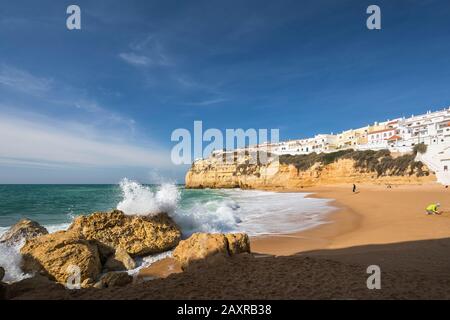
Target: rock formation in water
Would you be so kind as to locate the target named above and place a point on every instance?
(24, 229)
(137, 235)
(296, 172)
(54, 255)
(119, 261)
(100, 241)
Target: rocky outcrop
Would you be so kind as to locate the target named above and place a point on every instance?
(54, 256)
(113, 279)
(210, 247)
(276, 175)
(120, 261)
(238, 243)
(23, 230)
(137, 235)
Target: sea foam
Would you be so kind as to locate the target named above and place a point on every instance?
(10, 260)
(141, 200)
(250, 211)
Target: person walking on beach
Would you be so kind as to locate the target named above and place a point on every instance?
(433, 208)
(354, 188)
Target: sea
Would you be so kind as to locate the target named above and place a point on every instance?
(257, 213)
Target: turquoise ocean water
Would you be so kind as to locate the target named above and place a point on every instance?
(214, 210)
(53, 205)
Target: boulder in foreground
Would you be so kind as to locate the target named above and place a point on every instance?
(238, 243)
(210, 247)
(24, 229)
(120, 261)
(113, 279)
(137, 235)
(53, 255)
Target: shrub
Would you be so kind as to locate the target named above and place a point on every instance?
(420, 148)
(380, 161)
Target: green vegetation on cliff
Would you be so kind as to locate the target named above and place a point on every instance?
(381, 162)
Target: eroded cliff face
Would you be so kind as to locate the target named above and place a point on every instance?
(210, 173)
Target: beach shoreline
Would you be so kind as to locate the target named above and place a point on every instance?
(363, 228)
(337, 221)
(328, 261)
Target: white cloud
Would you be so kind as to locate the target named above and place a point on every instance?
(207, 102)
(58, 94)
(135, 59)
(103, 115)
(33, 142)
(147, 52)
(23, 81)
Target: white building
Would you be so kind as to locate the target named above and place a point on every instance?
(379, 139)
(398, 135)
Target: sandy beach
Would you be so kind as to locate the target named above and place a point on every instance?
(326, 262)
(374, 215)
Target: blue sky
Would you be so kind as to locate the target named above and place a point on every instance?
(100, 104)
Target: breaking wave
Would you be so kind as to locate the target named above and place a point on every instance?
(253, 212)
(141, 200)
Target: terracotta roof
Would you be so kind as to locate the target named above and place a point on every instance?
(378, 131)
(394, 138)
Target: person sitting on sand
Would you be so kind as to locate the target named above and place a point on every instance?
(433, 208)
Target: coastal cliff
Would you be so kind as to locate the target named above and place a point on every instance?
(296, 172)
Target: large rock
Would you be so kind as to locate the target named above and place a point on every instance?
(24, 229)
(2, 273)
(121, 260)
(210, 247)
(114, 279)
(138, 235)
(54, 254)
(238, 243)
